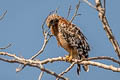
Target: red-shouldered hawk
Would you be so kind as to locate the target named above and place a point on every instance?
(69, 37)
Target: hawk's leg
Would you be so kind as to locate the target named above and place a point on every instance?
(70, 57)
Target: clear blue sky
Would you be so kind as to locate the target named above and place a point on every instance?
(22, 28)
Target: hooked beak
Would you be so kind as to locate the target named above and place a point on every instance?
(49, 26)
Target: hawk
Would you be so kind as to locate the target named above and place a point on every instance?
(69, 37)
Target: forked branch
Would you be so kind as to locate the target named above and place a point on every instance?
(35, 63)
(101, 13)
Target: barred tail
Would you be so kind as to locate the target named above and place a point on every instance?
(86, 68)
(78, 69)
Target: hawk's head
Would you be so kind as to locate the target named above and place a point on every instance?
(52, 20)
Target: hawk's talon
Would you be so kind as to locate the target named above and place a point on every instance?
(68, 58)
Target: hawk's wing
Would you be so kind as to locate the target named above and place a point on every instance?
(74, 37)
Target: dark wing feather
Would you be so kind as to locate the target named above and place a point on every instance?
(75, 38)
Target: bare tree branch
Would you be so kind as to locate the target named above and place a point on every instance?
(35, 63)
(3, 15)
(105, 58)
(40, 76)
(47, 37)
(52, 73)
(29, 62)
(104, 6)
(68, 12)
(38, 53)
(56, 11)
(6, 46)
(68, 69)
(101, 65)
(90, 4)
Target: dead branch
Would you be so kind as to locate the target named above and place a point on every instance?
(3, 15)
(101, 65)
(94, 58)
(35, 63)
(68, 69)
(47, 37)
(38, 53)
(52, 73)
(101, 13)
(104, 5)
(40, 76)
(89, 3)
(68, 12)
(6, 46)
(104, 58)
(29, 62)
(76, 11)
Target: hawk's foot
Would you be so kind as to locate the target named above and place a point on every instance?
(68, 58)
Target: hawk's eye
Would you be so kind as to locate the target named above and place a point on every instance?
(54, 22)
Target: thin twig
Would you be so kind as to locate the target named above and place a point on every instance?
(6, 46)
(43, 30)
(104, 5)
(56, 11)
(2, 16)
(90, 4)
(76, 11)
(46, 35)
(40, 76)
(68, 12)
(38, 53)
(53, 73)
(43, 47)
(105, 58)
(68, 69)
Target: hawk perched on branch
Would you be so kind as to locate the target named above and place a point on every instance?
(69, 37)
